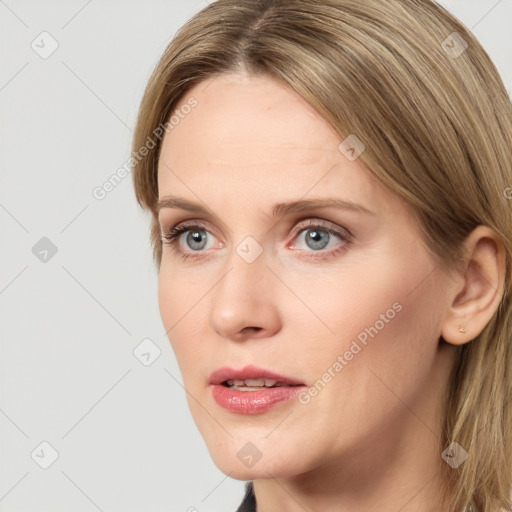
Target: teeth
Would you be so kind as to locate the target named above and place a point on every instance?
(254, 383)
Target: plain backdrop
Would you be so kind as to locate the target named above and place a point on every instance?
(86, 422)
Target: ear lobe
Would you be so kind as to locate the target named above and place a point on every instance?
(479, 289)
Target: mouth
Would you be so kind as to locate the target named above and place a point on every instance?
(251, 377)
(252, 390)
(254, 384)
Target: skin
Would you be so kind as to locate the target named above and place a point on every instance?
(370, 438)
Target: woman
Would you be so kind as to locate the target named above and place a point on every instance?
(329, 183)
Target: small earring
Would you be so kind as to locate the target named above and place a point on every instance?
(462, 329)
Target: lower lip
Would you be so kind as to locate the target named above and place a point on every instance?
(253, 402)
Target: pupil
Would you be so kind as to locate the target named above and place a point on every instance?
(194, 237)
(316, 236)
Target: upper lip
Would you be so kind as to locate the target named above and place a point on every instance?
(249, 372)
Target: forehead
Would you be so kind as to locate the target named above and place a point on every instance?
(236, 112)
(252, 135)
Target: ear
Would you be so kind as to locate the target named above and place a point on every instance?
(478, 288)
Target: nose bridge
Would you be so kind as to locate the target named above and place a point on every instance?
(243, 297)
(246, 269)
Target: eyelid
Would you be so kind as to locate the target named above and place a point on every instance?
(192, 223)
(300, 225)
(327, 224)
(173, 234)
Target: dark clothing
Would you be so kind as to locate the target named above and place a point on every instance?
(249, 502)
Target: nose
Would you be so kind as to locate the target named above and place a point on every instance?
(244, 303)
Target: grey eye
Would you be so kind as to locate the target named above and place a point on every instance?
(193, 239)
(317, 238)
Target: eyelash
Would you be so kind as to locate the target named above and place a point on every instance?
(172, 238)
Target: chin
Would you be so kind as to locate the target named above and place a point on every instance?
(245, 461)
(260, 470)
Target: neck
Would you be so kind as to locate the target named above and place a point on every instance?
(407, 480)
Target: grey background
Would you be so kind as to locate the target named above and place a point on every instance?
(70, 324)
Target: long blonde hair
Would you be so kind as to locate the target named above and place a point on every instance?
(413, 83)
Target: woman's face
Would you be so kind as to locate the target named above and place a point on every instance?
(347, 302)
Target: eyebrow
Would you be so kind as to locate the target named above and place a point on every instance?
(279, 209)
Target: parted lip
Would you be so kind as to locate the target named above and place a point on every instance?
(250, 372)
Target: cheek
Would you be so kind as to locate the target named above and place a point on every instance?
(382, 357)
(180, 310)
(380, 316)
(178, 295)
